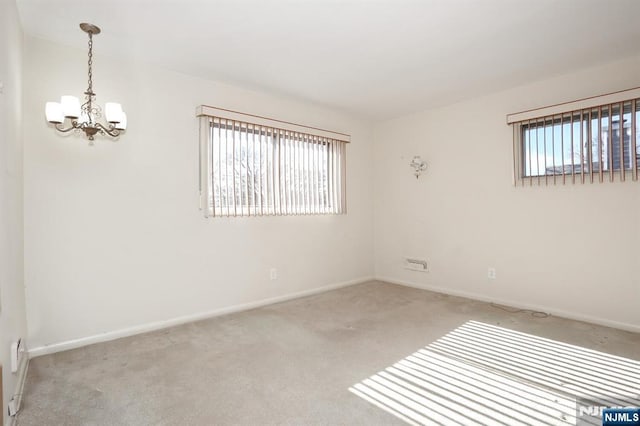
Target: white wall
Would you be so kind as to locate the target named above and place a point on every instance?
(12, 305)
(568, 249)
(114, 238)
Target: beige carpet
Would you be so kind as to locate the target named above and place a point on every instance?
(368, 354)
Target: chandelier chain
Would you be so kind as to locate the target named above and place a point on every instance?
(90, 90)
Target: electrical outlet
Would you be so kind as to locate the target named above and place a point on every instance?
(491, 273)
(273, 274)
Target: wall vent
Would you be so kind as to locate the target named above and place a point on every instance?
(414, 264)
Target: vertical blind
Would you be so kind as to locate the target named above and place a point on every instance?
(577, 142)
(254, 169)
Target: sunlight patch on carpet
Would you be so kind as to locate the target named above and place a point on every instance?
(484, 374)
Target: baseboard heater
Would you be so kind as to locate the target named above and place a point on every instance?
(19, 365)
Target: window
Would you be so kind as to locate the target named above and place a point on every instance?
(268, 167)
(596, 143)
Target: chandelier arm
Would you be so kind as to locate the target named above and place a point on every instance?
(111, 131)
(74, 126)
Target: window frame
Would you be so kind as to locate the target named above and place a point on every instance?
(283, 176)
(593, 118)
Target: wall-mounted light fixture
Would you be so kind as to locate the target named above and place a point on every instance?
(418, 165)
(85, 117)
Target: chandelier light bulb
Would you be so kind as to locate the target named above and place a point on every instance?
(53, 111)
(113, 112)
(122, 124)
(70, 106)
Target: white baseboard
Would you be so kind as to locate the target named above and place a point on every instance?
(157, 325)
(483, 298)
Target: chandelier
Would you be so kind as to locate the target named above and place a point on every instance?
(85, 117)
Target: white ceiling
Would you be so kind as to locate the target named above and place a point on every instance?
(375, 58)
